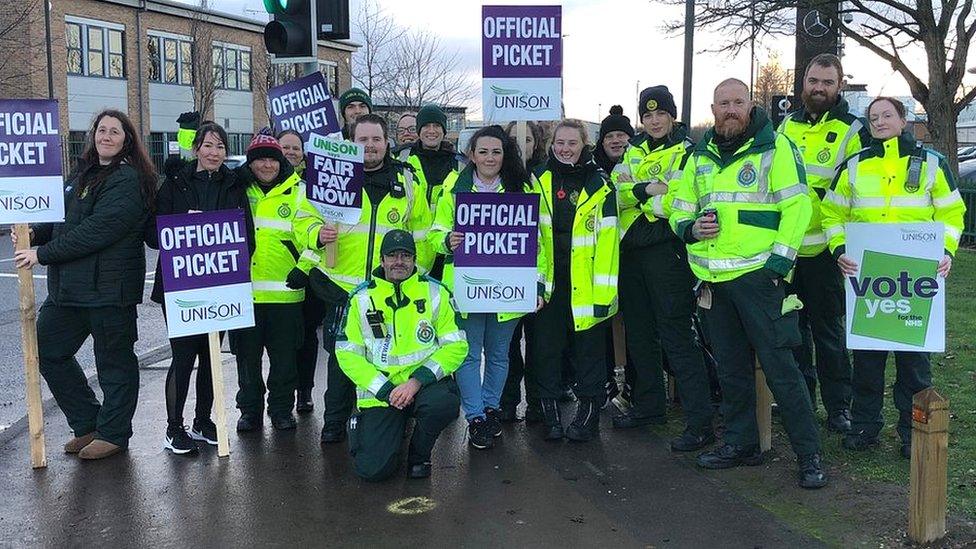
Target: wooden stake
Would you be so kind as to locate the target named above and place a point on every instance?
(522, 136)
(331, 249)
(929, 483)
(764, 410)
(217, 376)
(28, 331)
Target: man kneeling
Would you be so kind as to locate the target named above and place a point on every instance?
(400, 345)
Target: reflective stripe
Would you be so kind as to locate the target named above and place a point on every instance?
(866, 202)
(364, 305)
(435, 301)
(852, 130)
(437, 227)
(837, 198)
(302, 214)
(354, 280)
(408, 189)
(265, 286)
(582, 241)
(263, 223)
(350, 347)
(954, 232)
(310, 255)
(753, 198)
(814, 239)
(419, 235)
(583, 311)
(931, 167)
(364, 229)
(672, 176)
(784, 250)
(947, 200)
(765, 164)
(728, 264)
(679, 204)
(434, 367)
(607, 222)
(452, 337)
(820, 171)
(911, 201)
(834, 231)
(545, 219)
(852, 173)
(657, 206)
(409, 359)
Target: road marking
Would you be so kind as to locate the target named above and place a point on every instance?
(5, 260)
(411, 506)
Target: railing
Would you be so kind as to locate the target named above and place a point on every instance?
(969, 232)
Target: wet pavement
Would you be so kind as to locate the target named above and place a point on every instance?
(277, 489)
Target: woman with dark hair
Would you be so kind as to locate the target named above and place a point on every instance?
(535, 144)
(201, 185)
(96, 267)
(495, 167)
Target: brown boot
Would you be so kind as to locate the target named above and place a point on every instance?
(99, 449)
(75, 445)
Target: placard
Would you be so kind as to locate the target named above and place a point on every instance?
(31, 182)
(334, 176)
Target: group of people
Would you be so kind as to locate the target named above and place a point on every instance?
(731, 247)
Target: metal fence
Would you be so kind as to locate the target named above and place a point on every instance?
(969, 232)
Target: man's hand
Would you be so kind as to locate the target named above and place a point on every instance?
(847, 265)
(655, 188)
(455, 240)
(402, 395)
(945, 266)
(25, 259)
(327, 234)
(705, 227)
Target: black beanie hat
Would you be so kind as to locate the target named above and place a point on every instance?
(657, 98)
(354, 94)
(431, 114)
(615, 122)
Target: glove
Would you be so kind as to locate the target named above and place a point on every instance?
(173, 165)
(297, 279)
(189, 120)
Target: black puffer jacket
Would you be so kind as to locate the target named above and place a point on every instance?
(96, 257)
(187, 189)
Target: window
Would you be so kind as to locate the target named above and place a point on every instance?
(237, 143)
(95, 50)
(73, 147)
(331, 73)
(232, 67)
(170, 59)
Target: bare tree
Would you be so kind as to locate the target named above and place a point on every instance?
(427, 74)
(205, 66)
(773, 79)
(374, 67)
(887, 28)
(19, 61)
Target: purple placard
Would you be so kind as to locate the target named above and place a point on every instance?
(334, 176)
(30, 145)
(203, 250)
(521, 42)
(303, 105)
(500, 229)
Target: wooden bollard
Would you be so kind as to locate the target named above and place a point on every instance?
(929, 483)
(764, 410)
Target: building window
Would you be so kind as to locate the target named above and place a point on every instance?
(170, 60)
(331, 73)
(73, 148)
(94, 50)
(237, 143)
(232, 67)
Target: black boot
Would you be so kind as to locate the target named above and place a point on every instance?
(811, 473)
(533, 410)
(552, 419)
(303, 401)
(586, 425)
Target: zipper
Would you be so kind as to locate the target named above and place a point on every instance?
(396, 289)
(372, 239)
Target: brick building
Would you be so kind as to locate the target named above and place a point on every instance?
(151, 59)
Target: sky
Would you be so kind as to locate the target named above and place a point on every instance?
(612, 48)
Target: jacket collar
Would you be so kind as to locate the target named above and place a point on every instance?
(839, 109)
(759, 136)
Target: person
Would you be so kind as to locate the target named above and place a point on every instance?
(656, 284)
(826, 133)
(391, 200)
(313, 308)
(406, 131)
(535, 144)
(893, 180)
(496, 166)
(742, 208)
(285, 224)
(96, 266)
(399, 345)
(579, 235)
(201, 185)
(353, 103)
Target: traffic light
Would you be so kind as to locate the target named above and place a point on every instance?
(333, 16)
(291, 34)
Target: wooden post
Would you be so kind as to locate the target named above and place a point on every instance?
(28, 331)
(928, 485)
(764, 410)
(331, 249)
(522, 135)
(217, 376)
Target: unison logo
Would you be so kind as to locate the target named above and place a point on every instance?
(506, 98)
(18, 202)
(909, 235)
(486, 288)
(195, 311)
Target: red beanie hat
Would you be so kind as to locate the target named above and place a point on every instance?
(265, 146)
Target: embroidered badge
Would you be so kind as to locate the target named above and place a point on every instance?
(651, 105)
(655, 168)
(425, 332)
(574, 197)
(747, 175)
(823, 156)
(393, 216)
(284, 211)
(591, 223)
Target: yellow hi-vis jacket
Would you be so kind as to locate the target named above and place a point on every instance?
(641, 166)
(286, 225)
(444, 225)
(394, 332)
(894, 181)
(595, 248)
(761, 199)
(824, 145)
(432, 190)
(358, 246)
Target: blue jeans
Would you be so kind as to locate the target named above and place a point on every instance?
(486, 334)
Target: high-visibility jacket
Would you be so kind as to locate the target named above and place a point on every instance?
(416, 336)
(761, 199)
(824, 145)
(641, 166)
(894, 181)
(595, 252)
(432, 190)
(358, 245)
(444, 225)
(285, 226)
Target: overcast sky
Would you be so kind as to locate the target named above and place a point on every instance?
(609, 47)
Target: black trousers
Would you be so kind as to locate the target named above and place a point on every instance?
(913, 373)
(340, 391)
(818, 283)
(657, 301)
(278, 329)
(745, 318)
(61, 331)
(313, 311)
(375, 434)
(553, 334)
(188, 351)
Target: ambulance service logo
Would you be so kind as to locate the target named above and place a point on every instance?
(284, 211)
(591, 223)
(823, 156)
(747, 175)
(655, 169)
(393, 216)
(425, 331)
(894, 307)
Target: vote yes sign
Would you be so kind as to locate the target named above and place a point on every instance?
(206, 272)
(897, 300)
(31, 185)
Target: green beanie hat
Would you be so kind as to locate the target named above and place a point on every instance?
(431, 114)
(354, 94)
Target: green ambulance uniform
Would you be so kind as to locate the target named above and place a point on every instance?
(757, 185)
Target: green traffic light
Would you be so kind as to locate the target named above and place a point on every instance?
(276, 6)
